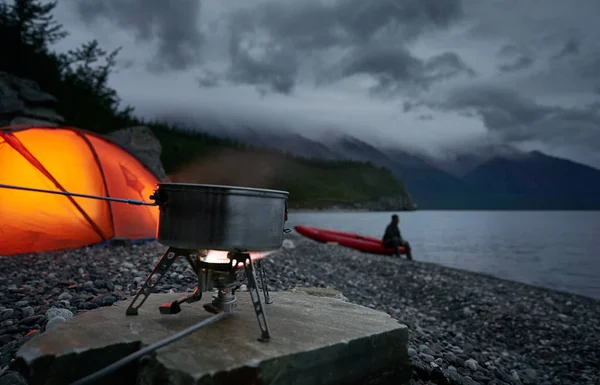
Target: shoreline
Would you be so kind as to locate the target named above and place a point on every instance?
(463, 325)
(460, 210)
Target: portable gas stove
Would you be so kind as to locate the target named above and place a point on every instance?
(226, 277)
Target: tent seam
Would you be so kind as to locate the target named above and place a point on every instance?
(22, 127)
(102, 175)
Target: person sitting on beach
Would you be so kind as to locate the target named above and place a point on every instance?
(392, 238)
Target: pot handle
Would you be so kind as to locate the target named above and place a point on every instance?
(158, 198)
(285, 218)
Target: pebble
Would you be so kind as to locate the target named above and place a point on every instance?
(427, 357)
(58, 312)
(471, 364)
(6, 314)
(64, 296)
(27, 311)
(54, 322)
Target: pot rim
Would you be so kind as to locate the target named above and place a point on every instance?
(223, 188)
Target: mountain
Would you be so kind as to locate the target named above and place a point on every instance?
(460, 164)
(537, 181)
(430, 187)
(289, 142)
(489, 177)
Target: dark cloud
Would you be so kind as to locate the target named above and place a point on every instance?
(395, 69)
(208, 79)
(510, 50)
(520, 58)
(173, 25)
(590, 66)
(522, 62)
(285, 33)
(404, 18)
(571, 47)
(391, 66)
(447, 65)
(515, 119)
(316, 24)
(263, 63)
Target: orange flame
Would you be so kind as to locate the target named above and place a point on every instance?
(218, 256)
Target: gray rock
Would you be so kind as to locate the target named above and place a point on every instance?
(65, 296)
(27, 311)
(412, 352)
(141, 142)
(54, 322)
(12, 378)
(43, 114)
(450, 357)
(103, 335)
(22, 100)
(32, 320)
(471, 364)
(530, 374)
(515, 377)
(6, 323)
(6, 314)
(58, 312)
(426, 357)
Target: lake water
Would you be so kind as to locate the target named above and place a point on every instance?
(558, 250)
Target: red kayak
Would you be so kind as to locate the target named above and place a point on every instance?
(353, 241)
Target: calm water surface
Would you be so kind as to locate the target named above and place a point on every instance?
(557, 250)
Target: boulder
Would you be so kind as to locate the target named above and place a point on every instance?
(316, 339)
(141, 142)
(22, 99)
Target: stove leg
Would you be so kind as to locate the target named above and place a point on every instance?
(263, 281)
(174, 307)
(255, 296)
(161, 268)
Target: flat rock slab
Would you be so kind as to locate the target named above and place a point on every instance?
(315, 339)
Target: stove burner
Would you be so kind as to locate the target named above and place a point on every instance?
(225, 277)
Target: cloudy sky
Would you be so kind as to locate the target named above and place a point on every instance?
(432, 75)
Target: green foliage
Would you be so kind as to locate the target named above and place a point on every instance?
(79, 79)
(317, 183)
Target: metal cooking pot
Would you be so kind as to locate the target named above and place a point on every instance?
(199, 216)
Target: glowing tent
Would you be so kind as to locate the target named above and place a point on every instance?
(77, 161)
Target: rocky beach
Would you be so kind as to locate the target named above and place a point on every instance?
(465, 328)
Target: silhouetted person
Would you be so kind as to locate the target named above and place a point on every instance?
(392, 238)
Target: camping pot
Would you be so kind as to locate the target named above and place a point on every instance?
(200, 216)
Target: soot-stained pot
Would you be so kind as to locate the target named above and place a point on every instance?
(201, 216)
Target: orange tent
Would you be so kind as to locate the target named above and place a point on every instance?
(77, 161)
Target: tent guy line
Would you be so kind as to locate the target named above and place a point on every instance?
(66, 193)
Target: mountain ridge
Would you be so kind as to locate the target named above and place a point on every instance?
(432, 186)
